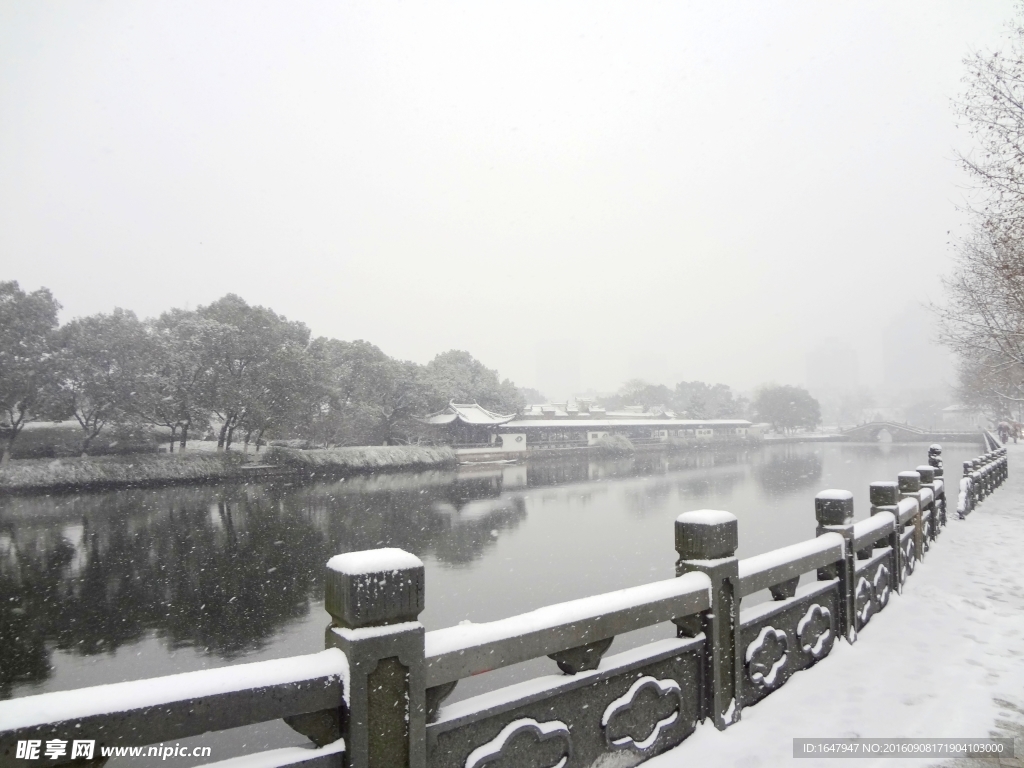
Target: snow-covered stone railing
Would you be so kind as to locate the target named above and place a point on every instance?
(376, 697)
(981, 476)
(166, 709)
(574, 634)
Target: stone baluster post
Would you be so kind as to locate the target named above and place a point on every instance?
(935, 458)
(910, 486)
(935, 462)
(885, 495)
(833, 510)
(969, 475)
(928, 481)
(374, 599)
(706, 541)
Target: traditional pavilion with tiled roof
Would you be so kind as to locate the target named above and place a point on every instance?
(467, 422)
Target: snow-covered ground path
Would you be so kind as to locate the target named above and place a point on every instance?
(945, 659)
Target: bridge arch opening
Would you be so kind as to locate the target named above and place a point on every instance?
(883, 436)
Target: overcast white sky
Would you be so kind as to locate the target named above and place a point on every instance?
(680, 190)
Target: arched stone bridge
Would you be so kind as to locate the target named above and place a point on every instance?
(906, 433)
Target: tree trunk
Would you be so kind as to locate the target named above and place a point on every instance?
(170, 445)
(222, 437)
(86, 442)
(8, 449)
(230, 437)
(184, 437)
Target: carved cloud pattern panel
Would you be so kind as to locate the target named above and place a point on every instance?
(525, 743)
(636, 719)
(766, 656)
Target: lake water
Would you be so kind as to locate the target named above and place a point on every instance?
(109, 586)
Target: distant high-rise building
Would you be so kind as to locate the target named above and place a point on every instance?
(911, 356)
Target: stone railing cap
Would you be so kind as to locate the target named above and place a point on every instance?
(834, 494)
(374, 561)
(706, 517)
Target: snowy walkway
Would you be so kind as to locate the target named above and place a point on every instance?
(945, 659)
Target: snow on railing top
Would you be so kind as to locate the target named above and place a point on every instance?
(374, 561)
(835, 494)
(708, 516)
(468, 649)
(870, 530)
(771, 568)
(906, 509)
(462, 636)
(60, 706)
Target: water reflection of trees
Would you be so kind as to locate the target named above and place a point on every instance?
(220, 569)
(786, 469)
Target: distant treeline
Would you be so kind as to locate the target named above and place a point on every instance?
(689, 399)
(784, 407)
(243, 371)
(247, 375)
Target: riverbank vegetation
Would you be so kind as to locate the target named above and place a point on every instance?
(786, 407)
(326, 461)
(614, 445)
(119, 471)
(139, 470)
(228, 370)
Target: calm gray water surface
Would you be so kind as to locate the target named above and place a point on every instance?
(109, 586)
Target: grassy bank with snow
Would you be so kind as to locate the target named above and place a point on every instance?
(118, 471)
(361, 459)
(200, 466)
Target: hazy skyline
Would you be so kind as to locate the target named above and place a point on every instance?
(677, 191)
